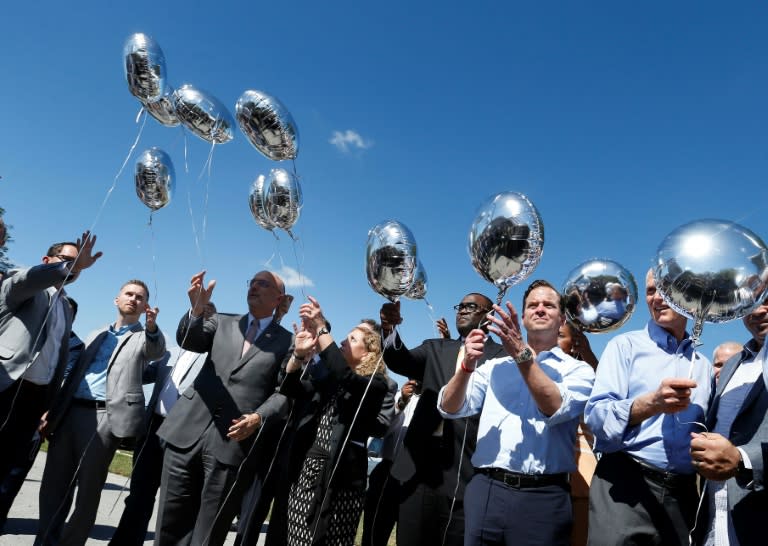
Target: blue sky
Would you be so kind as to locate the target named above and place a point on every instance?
(619, 120)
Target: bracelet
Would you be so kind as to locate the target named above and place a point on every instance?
(465, 369)
(298, 358)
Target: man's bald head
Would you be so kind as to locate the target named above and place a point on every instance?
(265, 292)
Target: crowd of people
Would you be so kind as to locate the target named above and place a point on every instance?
(533, 440)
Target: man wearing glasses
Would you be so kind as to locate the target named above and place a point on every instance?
(211, 429)
(35, 322)
(435, 452)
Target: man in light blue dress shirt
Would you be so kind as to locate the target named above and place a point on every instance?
(529, 404)
(100, 404)
(647, 399)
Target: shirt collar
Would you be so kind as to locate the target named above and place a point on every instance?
(751, 348)
(555, 352)
(123, 329)
(664, 339)
(263, 322)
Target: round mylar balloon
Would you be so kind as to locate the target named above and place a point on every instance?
(256, 202)
(154, 178)
(600, 296)
(712, 270)
(506, 239)
(203, 114)
(282, 198)
(144, 67)
(418, 289)
(163, 109)
(390, 259)
(268, 125)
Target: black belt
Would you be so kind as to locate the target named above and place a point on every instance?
(515, 479)
(95, 404)
(662, 477)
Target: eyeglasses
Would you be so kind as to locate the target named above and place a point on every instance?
(261, 283)
(471, 307)
(64, 257)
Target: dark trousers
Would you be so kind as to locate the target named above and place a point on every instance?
(425, 514)
(382, 504)
(497, 513)
(626, 506)
(198, 495)
(145, 481)
(21, 406)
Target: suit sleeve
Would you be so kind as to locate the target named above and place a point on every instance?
(406, 362)
(757, 451)
(195, 334)
(19, 287)
(387, 412)
(154, 345)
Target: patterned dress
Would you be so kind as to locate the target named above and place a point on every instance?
(337, 522)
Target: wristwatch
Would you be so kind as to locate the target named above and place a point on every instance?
(323, 331)
(526, 355)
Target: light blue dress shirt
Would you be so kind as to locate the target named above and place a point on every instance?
(513, 433)
(633, 364)
(94, 383)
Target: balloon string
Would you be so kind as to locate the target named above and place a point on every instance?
(298, 243)
(186, 164)
(432, 319)
(55, 297)
(154, 259)
(500, 295)
(194, 228)
(122, 167)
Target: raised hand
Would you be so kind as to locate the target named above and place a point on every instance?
(442, 327)
(390, 317)
(199, 296)
(312, 315)
(85, 256)
(151, 322)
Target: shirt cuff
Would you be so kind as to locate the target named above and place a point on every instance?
(745, 459)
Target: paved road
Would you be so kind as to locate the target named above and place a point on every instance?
(22, 521)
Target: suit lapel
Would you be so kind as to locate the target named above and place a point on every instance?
(261, 343)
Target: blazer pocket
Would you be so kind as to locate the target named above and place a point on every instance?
(134, 398)
(6, 353)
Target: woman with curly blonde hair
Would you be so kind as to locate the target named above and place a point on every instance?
(326, 502)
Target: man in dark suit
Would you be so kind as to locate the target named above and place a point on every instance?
(733, 457)
(209, 432)
(434, 450)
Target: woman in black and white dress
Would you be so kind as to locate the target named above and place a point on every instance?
(326, 502)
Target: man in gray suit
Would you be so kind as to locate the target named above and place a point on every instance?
(733, 457)
(100, 404)
(35, 322)
(209, 433)
(174, 374)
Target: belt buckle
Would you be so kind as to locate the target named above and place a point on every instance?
(513, 480)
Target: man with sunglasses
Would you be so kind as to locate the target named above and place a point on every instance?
(435, 451)
(212, 428)
(35, 322)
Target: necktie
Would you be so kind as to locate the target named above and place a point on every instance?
(250, 335)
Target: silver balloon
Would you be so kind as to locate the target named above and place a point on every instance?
(163, 109)
(203, 114)
(144, 67)
(506, 239)
(256, 202)
(712, 271)
(391, 259)
(418, 289)
(600, 296)
(268, 125)
(282, 198)
(155, 177)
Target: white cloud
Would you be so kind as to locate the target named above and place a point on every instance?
(345, 140)
(293, 278)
